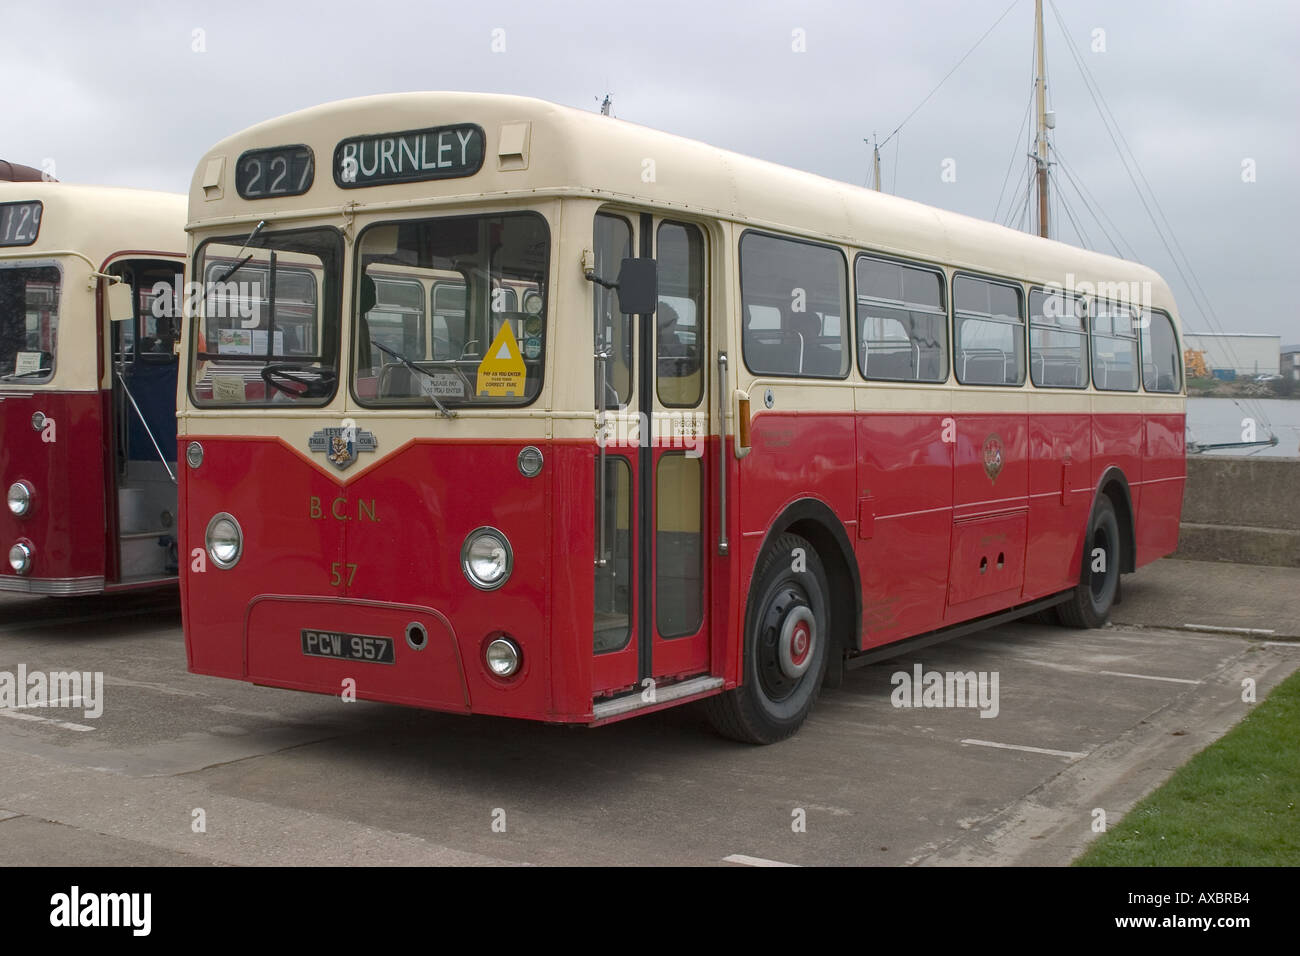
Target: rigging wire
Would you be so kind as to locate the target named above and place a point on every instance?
(1019, 140)
(1024, 209)
(1095, 207)
(1107, 119)
(1018, 198)
(1011, 165)
(918, 106)
(1084, 239)
(1088, 208)
(893, 181)
(1188, 275)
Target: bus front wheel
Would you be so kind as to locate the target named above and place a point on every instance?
(787, 645)
(1090, 602)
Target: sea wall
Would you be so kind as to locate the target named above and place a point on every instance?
(1242, 510)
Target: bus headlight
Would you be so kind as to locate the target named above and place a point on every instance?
(502, 657)
(225, 541)
(486, 558)
(20, 558)
(20, 498)
(530, 461)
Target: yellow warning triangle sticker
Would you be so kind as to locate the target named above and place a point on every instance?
(501, 373)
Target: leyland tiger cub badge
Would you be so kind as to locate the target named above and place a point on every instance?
(992, 455)
(341, 445)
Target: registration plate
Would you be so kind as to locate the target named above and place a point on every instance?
(347, 647)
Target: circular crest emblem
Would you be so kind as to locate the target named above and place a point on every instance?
(992, 455)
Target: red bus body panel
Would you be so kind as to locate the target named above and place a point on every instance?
(401, 523)
(66, 524)
(948, 531)
(952, 517)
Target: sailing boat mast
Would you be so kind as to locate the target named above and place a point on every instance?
(1040, 153)
(875, 161)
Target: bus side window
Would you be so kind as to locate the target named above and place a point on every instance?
(679, 318)
(157, 316)
(990, 332)
(902, 322)
(1114, 348)
(1161, 363)
(805, 284)
(613, 329)
(1058, 340)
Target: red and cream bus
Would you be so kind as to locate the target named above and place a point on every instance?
(88, 381)
(732, 429)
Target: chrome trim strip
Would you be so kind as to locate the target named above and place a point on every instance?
(630, 702)
(724, 454)
(23, 585)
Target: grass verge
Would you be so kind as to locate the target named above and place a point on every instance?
(1233, 804)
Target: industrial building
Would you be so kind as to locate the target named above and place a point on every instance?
(1232, 354)
(1291, 362)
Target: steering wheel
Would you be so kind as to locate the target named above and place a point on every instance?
(288, 378)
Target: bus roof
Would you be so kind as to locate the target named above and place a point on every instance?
(99, 221)
(540, 148)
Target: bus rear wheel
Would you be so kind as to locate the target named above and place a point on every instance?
(1090, 602)
(787, 645)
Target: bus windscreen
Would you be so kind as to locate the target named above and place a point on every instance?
(451, 312)
(268, 319)
(29, 321)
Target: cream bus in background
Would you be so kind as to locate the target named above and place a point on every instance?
(88, 404)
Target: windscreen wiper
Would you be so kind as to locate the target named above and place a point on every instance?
(240, 263)
(442, 409)
(14, 376)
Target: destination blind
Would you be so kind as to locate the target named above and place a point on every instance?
(19, 223)
(440, 152)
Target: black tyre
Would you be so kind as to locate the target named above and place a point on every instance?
(787, 640)
(1091, 600)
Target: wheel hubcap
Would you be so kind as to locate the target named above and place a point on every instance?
(787, 642)
(796, 644)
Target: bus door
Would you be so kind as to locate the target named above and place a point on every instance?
(651, 621)
(144, 371)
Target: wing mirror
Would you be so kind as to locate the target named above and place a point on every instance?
(637, 285)
(120, 307)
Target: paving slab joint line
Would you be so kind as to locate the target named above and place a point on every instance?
(1255, 634)
(235, 760)
(1229, 629)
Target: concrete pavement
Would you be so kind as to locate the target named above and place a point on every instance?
(1085, 720)
(1176, 593)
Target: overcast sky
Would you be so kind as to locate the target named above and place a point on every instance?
(130, 94)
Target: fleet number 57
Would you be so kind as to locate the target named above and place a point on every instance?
(336, 573)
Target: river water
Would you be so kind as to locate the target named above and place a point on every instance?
(1220, 420)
